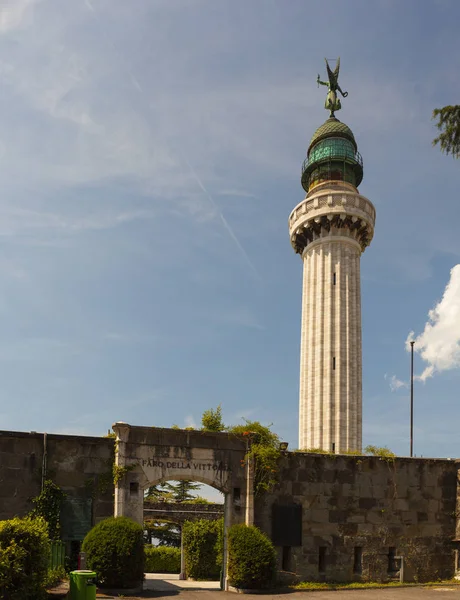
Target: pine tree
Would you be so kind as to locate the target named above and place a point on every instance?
(181, 490)
(449, 125)
(168, 534)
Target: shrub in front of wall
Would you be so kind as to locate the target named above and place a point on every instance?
(251, 558)
(24, 555)
(162, 559)
(115, 551)
(202, 541)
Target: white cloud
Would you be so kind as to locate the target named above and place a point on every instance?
(439, 344)
(15, 13)
(395, 383)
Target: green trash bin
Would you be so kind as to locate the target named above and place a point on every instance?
(82, 585)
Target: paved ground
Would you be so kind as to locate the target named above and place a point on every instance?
(165, 583)
(169, 586)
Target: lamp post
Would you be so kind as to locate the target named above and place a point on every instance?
(412, 398)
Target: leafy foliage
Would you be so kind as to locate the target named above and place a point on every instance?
(24, 555)
(263, 449)
(203, 548)
(165, 533)
(119, 472)
(383, 452)
(198, 500)
(251, 558)
(212, 420)
(55, 576)
(181, 490)
(115, 550)
(161, 559)
(156, 493)
(48, 505)
(448, 123)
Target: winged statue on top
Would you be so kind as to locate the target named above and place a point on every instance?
(332, 100)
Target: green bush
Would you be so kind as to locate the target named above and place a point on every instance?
(24, 555)
(251, 558)
(115, 551)
(162, 559)
(203, 548)
(54, 576)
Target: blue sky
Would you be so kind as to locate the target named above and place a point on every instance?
(150, 155)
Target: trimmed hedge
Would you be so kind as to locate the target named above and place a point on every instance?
(24, 555)
(162, 559)
(203, 548)
(251, 558)
(115, 551)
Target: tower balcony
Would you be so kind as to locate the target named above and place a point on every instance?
(333, 209)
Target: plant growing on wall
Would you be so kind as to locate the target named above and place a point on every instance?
(120, 472)
(382, 452)
(263, 449)
(48, 505)
(212, 420)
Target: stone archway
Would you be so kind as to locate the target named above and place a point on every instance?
(148, 455)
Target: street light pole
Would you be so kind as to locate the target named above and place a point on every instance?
(412, 398)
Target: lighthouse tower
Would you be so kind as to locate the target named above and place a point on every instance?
(330, 229)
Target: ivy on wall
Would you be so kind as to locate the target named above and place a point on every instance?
(48, 505)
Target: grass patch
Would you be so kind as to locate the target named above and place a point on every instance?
(314, 586)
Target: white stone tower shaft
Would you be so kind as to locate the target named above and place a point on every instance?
(330, 229)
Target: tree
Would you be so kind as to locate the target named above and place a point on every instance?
(448, 123)
(156, 493)
(212, 420)
(163, 532)
(168, 534)
(181, 490)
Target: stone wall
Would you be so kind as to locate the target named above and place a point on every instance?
(179, 513)
(81, 466)
(333, 517)
(359, 512)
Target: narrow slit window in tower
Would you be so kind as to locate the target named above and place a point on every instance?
(333, 363)
(333, 279)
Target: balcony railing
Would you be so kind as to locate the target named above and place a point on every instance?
(332, 153)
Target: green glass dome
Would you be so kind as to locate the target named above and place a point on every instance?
(332, 156)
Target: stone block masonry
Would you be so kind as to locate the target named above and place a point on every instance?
(80, 465)
(358, 513)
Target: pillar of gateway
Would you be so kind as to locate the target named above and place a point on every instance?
(330, 229)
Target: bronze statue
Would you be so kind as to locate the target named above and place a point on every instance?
(332, 100)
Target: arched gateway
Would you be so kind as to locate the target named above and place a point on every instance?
(145, 456)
